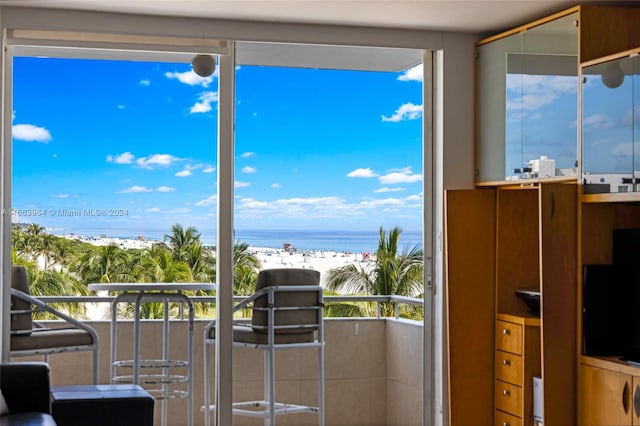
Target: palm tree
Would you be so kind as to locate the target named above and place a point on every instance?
(390, 274)
(245, 269)
(181, 239)
(104, 264)
(157, 265)
(52, 283)
(201, 262)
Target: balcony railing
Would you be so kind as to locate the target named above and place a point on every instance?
(397, 301)
(373, 365)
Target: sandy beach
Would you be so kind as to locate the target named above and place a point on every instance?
(270, 258)
(322, 261)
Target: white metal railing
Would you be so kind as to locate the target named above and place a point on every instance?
(397, 301)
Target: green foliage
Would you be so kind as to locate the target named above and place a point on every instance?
(391, 273)
(59, 266)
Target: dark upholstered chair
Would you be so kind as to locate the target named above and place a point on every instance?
(25, 387)
(287, 313)
(27, 338)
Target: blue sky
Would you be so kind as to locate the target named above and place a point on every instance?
(136, 142)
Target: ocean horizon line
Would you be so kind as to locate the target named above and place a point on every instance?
(319, 240)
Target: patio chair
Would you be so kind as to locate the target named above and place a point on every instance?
(30, 338)
(287, 313)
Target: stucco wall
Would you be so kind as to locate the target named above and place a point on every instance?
(372, 371)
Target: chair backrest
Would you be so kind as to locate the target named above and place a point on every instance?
(21, 323)
(301, 299)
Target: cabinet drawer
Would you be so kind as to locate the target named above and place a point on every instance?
(504, 419)
(509, 337)
(509, 367)
(508, 398)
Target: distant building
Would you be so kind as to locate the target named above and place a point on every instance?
(610, 182)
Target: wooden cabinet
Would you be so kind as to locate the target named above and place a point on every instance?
(517, 361)
(516, 232)
(498, 240)
(610, 397)
(609, 389)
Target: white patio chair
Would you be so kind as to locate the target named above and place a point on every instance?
(29, 338)
(287, 314)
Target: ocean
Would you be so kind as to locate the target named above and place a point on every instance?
(339, 241)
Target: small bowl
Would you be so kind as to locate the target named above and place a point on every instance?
(530, 296)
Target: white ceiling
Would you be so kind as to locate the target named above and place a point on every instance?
(470, 16)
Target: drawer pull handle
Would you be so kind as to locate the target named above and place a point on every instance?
(506, 332)
(505, 392)
(506, 362)
(505, 423)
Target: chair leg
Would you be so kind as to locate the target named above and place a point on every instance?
(270, 385)
(95, 366)
(207, 386)
(321, 386)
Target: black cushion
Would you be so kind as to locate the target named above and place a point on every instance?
(20, 322)
(102, 405)
(27, 419)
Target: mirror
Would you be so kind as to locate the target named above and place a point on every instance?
(610, 126)
(527, 103)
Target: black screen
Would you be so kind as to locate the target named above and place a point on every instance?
(606, 304)
(626, 256)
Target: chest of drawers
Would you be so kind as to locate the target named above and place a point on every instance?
(517, 361)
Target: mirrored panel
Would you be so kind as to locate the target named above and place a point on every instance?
(527, 103)
(610, 128)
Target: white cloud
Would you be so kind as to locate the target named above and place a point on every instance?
(163, 160)
(412, 74)
(124, 158)
(238, 184)
(531, 92)
(406, 111)
(596, 121)
(248, 154)
(152, 210)
(165, 189)
(207, 201)
(208, 169)
(248, 169)
(362, 173)
(30, 133)
(190, 78)
(135, 189)
(625, 150)
(276, 186)
(400, 176)
(324, 207)
(184, 173)
(204, 105)
(60, 196)
(145, 82)
(180, 210)
(385, 189)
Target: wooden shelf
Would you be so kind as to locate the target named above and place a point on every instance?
(525, 183)
(520, 319)
(610, 197)
(612, 363)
